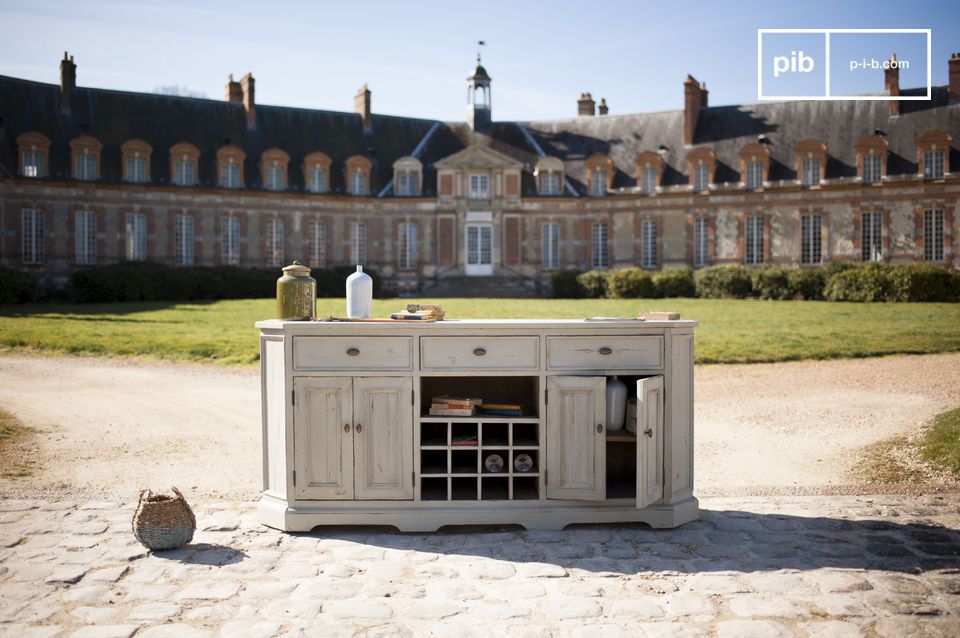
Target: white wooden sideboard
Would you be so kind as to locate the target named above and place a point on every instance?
(348, 440)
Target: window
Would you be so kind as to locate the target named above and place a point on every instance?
(599, 257)
(230, 241)
(407, 184)
(811, 172)
(31, 232)
(358, 183)
(648, 181)
(754, 240)
(85, 237)
(358, 243)
(136, 237)
(317, 180)
(85, 166)
(408, 246)
(871, 167)
(229, 173)
(276, 177)
(701, 239)
(754, 174)
(933, 165)
(33, 163)
(479, 187)
(183, 240)
(933, 235)
(871, 238)
(598, 183)
(648, 243)
(550, 246)
(811, 246)
(550, 183)
(318, 252)
(701, 177)
(184, 172)
(275, 242)
(136, 169)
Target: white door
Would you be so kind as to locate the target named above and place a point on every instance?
(479, 250)
(649, 441)
(576, 438)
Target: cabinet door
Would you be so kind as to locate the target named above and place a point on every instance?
(383, 437)
(649, 441)
(323, 438)
(576, 438)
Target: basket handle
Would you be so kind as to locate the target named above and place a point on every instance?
(177, 492)
(145, 493)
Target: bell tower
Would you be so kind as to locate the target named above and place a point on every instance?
(478, 99)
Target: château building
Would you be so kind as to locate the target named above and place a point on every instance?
(95, 176)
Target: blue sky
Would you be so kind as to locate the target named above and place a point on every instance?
(415, 55)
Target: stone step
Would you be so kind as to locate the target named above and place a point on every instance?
(496, 286)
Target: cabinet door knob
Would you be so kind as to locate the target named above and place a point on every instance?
(479, 351)
(346, 427)
(599, 428)
(358, 428)
(605, 350)
(648, 433)
(353, 351)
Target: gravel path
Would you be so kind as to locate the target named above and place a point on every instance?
(111, 426)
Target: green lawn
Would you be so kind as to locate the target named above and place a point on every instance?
(730, 331)
(941, 446)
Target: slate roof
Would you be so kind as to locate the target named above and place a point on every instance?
(114, 117)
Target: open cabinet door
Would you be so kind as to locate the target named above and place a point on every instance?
(649, 441)
(576, 438)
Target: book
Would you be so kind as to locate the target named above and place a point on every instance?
(502, 406)
(464, 440)
(434, 411)
(447, 400)
(492, 412)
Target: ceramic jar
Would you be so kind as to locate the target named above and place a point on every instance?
(296, 294)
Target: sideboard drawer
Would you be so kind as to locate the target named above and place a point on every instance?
(479, 353)
(353, 353)
(604, 353)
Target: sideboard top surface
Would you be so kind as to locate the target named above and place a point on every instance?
(461, 325)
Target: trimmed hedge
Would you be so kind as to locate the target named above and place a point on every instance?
(564, 285)
(675, 282)
(146, 281)
(923, 282)
(772, 282)
(630, 283)
(716, 282)
(593, 283)
(807, 283)
(17, 287)
(868, 282)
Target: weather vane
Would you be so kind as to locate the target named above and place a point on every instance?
(480, 43)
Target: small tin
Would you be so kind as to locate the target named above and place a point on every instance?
(494, 463)
(296, 294)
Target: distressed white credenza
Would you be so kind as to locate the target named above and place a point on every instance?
(347, 436)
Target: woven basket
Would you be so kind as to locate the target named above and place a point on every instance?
(162, 521)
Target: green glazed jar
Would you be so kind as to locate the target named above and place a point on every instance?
(296, 294)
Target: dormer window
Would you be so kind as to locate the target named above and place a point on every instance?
(86, 157)
(406, 177)
(599, 174)
(871, 171)
(479, 186)
(183, 159)
(275, 177)
(136, 168)
(933, 164)
(598, 184)
(648, 181)
(549, 176)
(358, 183)
(811, 172)
(933, 155)
(358, 175)
(273, 164)
(649, 171)
(701, 162)
(754, 164)
(136, 161)
(550, 183)
(230, 167)
(811, 162)
(872, 158)
(34, 148)
(754, 174)
(316, 169)
(406, 184)
(701, 177)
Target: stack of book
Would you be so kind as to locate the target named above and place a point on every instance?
(446, 405)
(422, 312)
(502, 409)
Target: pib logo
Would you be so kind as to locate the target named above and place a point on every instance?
(796, 62)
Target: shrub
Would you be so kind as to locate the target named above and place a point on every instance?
(869, 282)
(834, 266)
(594, 283)
(675, 282)
(723, 281)
(807, 283)
(630, 283)
(17, 287)
(564, 285)
(146, 281)
(771, 282)
(923, 282)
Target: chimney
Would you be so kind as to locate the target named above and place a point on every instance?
(694, 99)
(249, 101)
(585, 104)
(954, 72)
(891, 85)
(233, 90)
(361, 104)
(68, 82)
(602, 108)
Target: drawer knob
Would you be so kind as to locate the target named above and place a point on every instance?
(353, 351)
(358, 428)
(479, 351)
(346, 427)
(599, 428)
(648, 433)
(605, 350)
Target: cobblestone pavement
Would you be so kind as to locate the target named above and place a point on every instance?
(787, 566)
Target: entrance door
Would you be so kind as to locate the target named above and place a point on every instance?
(479, 250)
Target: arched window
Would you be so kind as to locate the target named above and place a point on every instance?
(358, 175)
(599, 174)
(872, 158)
(702, 163)
(34, 149)
(184, 159)
(273, 168)
(407, 177)
(85, 157)
(549, 175)
(135, 158)
(933, 154)
(649, 172)
(754, 165)
(316, 172)
(811, 162)
(230, 161)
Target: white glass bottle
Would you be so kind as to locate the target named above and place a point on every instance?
(616, 404)
(359, 295)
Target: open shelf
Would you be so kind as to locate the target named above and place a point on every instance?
(510, 390)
